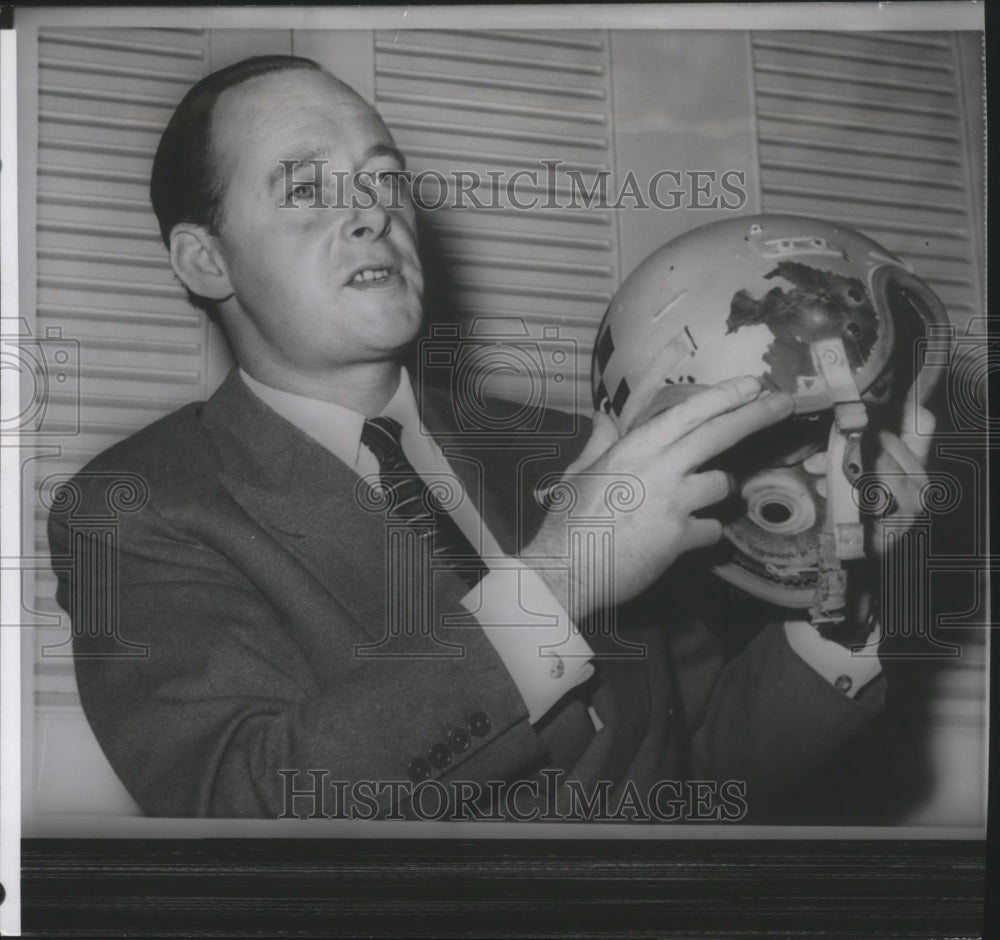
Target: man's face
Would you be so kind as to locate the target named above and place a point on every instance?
(315, 289)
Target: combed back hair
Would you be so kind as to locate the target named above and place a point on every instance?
(185, 184)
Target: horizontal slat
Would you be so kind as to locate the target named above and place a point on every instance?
(577, 269)
(49, 117)
(118, 257)
(858, 216)
(110, 286)
(101, 40)
(157, 406)
(164, 375)
(554, 40)
(806, 142)
(831, 171)
(538, 291)
(98, 230)
(103, 148)
(926, 43)
(856, 102)
(488, 58)
(590, 218)
(117, 96)
(78, 67)
(489, 159)
(451, 103)
(802, 47)
(494, 83)
(143, 319)
(141, 345)
(548, 240)
(840, 79)
(767, 113)
(807, 192)
(399, 119)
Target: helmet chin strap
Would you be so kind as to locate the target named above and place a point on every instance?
(842, 535)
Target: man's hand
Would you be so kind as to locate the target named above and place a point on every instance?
(901, 464)
(900, 471)
(665, 455)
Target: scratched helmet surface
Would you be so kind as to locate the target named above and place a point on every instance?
(812, 308)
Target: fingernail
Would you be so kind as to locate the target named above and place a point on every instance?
(780, 402)
(748, 385)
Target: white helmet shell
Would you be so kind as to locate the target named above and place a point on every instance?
(748, 296)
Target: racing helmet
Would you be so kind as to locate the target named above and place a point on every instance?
(811, 308)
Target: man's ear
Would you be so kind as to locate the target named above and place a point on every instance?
(198, 262)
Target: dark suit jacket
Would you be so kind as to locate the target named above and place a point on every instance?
(253, 576)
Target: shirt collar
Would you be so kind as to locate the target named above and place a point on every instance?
(338, 428)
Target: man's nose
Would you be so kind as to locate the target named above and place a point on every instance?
(368, 224)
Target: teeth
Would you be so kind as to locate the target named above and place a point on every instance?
(370, 274)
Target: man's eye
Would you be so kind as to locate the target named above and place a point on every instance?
(303, 191)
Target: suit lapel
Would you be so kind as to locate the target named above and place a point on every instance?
(304, 495)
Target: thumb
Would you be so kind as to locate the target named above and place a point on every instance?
(603, 435)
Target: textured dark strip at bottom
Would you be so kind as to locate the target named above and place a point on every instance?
(466, 888)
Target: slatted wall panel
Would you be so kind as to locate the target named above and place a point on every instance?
(103, 277)
(504, 101)
(869, 130)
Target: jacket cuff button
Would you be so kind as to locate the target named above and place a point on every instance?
(418, 769)
(459, 739)
(480, 724)
(440, 755)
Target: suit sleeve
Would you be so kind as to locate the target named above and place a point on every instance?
(229, 693)
(768, 718)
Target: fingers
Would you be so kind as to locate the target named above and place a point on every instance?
(721, 432)
(603, 434)
(673, 424)
(701, 533)
(707, 488)
(917, 430)
(904, 457)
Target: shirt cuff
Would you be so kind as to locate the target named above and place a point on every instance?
(846, 670)
(541, 647)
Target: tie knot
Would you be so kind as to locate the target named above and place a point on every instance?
(382, 437)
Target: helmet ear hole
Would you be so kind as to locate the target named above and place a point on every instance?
(776, 513)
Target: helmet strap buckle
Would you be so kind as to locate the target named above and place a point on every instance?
(842, 536)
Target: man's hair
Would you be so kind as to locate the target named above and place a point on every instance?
(185, 184)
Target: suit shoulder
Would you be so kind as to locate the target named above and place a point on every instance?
(162, 462)
(175, 443)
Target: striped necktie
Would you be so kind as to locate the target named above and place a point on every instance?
(412, 502)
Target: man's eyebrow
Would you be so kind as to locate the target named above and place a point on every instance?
(284, 170)
(385, 150)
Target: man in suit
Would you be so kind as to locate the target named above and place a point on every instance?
(284, 669)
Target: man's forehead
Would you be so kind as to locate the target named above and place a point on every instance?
(291, 90)
(288, 112)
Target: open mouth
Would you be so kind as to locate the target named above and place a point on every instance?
(372, 276)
